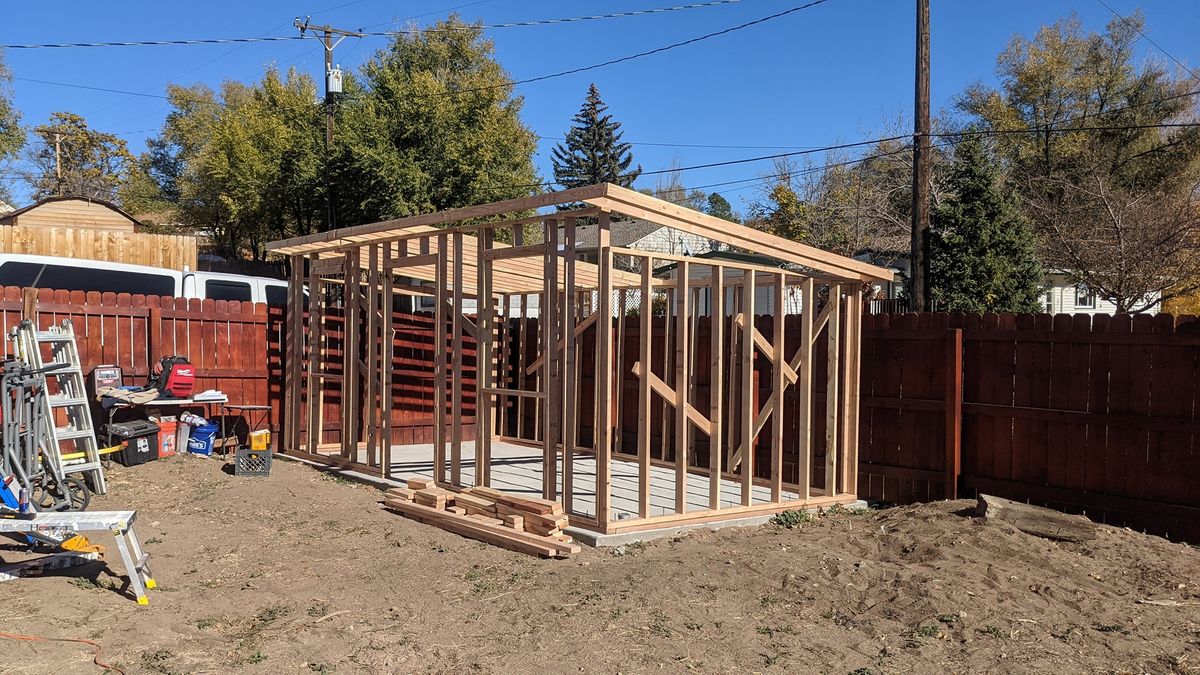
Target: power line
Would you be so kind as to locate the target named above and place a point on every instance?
(1148, 39)
(391, 33)
(699, 145)
(85, 86)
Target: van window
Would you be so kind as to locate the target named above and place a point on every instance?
(277, 295)
(219, 289)
(63, 277)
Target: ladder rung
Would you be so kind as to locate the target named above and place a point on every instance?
(70, 433)
(58, 401)
(48, 336)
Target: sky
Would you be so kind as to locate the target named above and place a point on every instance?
(838, 72)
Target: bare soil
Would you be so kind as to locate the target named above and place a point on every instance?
(304, 572)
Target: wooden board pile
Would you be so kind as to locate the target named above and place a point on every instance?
(522, 524)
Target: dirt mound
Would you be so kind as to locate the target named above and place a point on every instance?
(301, 572)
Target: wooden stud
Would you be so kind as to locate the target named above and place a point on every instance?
(522, 351)
(570, 380)
(804, 388)
(682, 424)
(851, 328)
(372, 362)
(483, 360)
(716, 386)
(504, 331)
(668, 367)
(747, 398)
(387, 363)
(646, 316)
(316, 354)
(350, 391)
(780, 384)
(604, 371)
(551, 405)
(440, 361)
(833, 336)
(456, 357)
(293, 392)
(619, 393)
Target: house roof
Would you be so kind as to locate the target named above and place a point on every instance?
(621, 232)
(603, 197)
(48, 200)
(734, 256)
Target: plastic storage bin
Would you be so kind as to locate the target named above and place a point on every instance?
(139, 441)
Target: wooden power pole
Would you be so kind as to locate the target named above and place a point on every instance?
(918, 291)
(333, 85)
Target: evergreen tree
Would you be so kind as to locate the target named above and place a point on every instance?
(719, 207)
(593, 151)
(981, 250)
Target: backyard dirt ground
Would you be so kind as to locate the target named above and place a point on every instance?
(304, 572)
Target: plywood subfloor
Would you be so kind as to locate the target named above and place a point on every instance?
(518, 469)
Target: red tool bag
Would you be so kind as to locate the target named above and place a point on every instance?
(174, 376)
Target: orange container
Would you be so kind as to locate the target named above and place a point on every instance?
(166, 438)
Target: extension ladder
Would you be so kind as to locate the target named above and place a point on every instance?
(69, 396)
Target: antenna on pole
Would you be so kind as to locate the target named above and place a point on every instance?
(333, 86)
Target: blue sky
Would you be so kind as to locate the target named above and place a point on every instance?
(830, 74)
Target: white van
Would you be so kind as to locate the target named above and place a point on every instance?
(75, 274)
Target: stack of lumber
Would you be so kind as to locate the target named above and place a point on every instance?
(522, 524)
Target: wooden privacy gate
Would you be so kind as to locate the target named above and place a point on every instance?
(510, 269)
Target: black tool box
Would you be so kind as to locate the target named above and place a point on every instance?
(139, 441)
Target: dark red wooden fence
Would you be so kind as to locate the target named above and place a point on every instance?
(1095, 414)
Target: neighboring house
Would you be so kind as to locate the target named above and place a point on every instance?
(1062, 296)
(72, 212)
(640, 235)
(764, 295)
(5, 207)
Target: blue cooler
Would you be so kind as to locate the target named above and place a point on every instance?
(201, 440)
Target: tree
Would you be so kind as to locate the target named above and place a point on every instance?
(433, 124)
(1111, 192)
(593, 151)
(719, 207)
(12, 136)
(244, 164)
(982, 255)
(72, 160)
(845, 206)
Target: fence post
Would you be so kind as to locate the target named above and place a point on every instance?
(154, 336)
(954, 389)
(29, 305)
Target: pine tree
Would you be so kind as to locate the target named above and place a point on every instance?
(981, 250)
(593, 151)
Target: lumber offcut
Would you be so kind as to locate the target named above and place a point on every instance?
(537, 531)
(1036, 520)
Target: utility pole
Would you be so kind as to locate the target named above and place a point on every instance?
(57, 156)
(918, 291)
(333, 85)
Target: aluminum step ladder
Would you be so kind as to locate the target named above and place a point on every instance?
(120, 523)
(68, 395)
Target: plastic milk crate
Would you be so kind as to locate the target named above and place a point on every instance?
(248, 462)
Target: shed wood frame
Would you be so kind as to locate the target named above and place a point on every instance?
(455, 256)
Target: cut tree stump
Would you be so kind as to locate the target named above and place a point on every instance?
(1036, 520)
